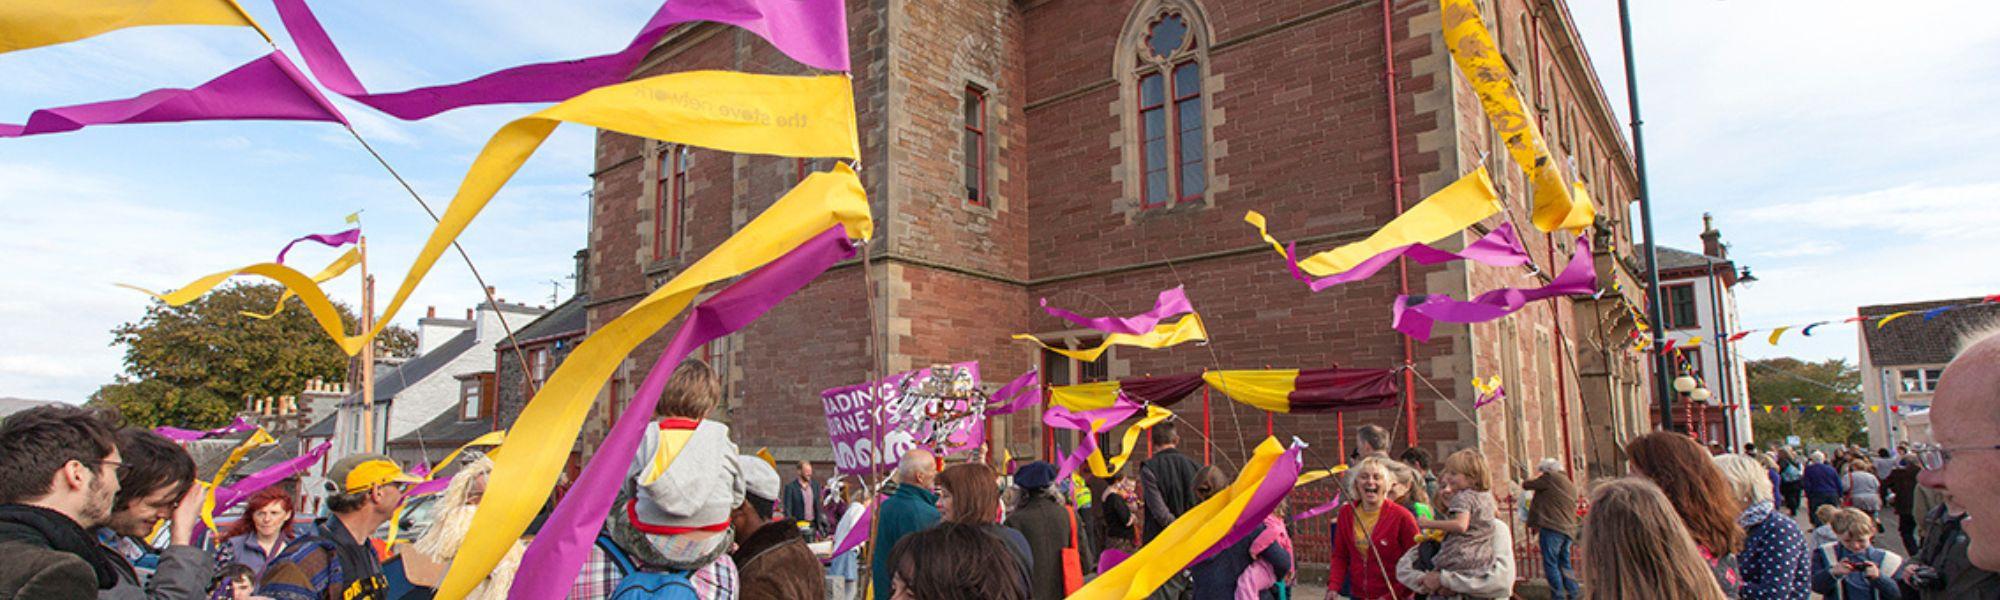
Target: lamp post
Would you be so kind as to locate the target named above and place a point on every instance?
(1654, 305)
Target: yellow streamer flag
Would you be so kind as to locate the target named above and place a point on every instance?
(1188, 329)
(1184, 540)
(1267, 389)
(1778, 332)
(1085, 396)
(1154, 416)
(1472, 47)
(1469, 200)
(28, 24)
(1893, 316)
(1312, 476)
(491, 438)
(534, 456)
(334, 269)
(727, 111)
(256, 440)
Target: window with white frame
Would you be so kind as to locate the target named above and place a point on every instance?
(1921, 381)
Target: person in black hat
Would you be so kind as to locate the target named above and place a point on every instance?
(1050, 527)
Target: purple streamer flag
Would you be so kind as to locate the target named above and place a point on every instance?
(1278, 482)
(188, 435)
(813, 32)
(1501, 248)
(1022, 392)
(1414, 314)
(567, 536)
(859, 533)
(1171, 302)
(1499, 393)
(227, 496)
(266, 88)
(1319, 510)
(1063, 418)
(330, 240)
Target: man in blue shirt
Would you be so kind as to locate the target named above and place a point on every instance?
(1822, 485)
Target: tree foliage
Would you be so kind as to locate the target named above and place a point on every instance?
(1802, 385)
(194, 365)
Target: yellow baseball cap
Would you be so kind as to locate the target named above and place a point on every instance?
(362, 472)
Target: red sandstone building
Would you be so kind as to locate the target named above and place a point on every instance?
(1095, 152)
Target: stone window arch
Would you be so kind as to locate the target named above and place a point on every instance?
(1163, 69)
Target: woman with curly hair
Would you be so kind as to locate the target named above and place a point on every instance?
(261, 535)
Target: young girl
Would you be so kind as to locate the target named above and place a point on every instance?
(1468, 518)
(1261, 574)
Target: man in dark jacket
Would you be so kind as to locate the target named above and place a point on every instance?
(157, 481)
(1046, 523)
(1940, 568)
(1822, 485)
(1553, 513)
(909, 509)
(772, 561)
(1901, 484)
(58, 476)
(801, 498)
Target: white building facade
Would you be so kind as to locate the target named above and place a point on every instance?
(1698, 293)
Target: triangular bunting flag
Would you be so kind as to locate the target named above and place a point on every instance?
(1874, 409)
(1767, 409)
(1778, 332)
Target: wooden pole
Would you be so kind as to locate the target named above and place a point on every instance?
(367, 351)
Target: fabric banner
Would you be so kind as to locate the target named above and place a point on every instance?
(813, 32)
(1490, 391)
(1170, 303)
(1500, 248)
(1465, 202)
(1319, 474)
(28, 24)
(903, 417)
(268, 88)
(1022, 392)
(1095, 422)
(228, 496)
(1414, 314)
(857, 534)
(338, 267)
(1308, 390)
(1478, 57)
(1228, 515)
(188, 435)
(256, 440)
(1188, 329)
(1164, 390)
(1319, 510)
(330, 240)
(727, 111)
(533, 457)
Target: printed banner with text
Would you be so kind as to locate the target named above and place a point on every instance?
(909, 414)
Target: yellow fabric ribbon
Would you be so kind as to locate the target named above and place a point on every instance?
(1267, 389)
(1472, 47)
(534, 456)
(256, 440)
(1693, 342)
(334, 269)
(1778, 332)
(1312, 476)
(732, 112)
(1487, 386)
(1188, 536)
(1084, 396)
(1189, 328)
(1469, 200)
(1154, 416)
(28, 24)
(491, 438)
(1893, 316)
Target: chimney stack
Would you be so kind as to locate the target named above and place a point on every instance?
(1711, 240)
(431, 312)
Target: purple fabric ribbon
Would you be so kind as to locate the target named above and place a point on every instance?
(330, 240)
(1499, 393)
(227, 496)
(1500, 248)
(857, 534)
(1319, 510)
(1022, 392)
(188, 435)
(566, 538)
(266, 88)
(1063, 418)
(429, 487)
(1414, 314)
(1171, 302)
(1278, 482)
(813, 32)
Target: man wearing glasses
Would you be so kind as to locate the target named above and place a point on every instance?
(58, 476)
(335, 562)
(1965, 420)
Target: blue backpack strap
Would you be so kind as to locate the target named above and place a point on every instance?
(616, 554)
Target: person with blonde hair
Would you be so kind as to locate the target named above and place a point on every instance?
(1635, 546)
(1773, 564)
(1854, 567)
(1369, 534)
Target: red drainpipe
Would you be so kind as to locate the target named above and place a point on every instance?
(1396, 187)
(1555, 316)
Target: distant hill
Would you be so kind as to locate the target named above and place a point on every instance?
(10, 406)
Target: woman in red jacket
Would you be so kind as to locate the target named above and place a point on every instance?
(1369, 536)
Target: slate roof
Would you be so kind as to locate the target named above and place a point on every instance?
(1675, 258)
(322, 429)
(387, 385)
(445, 430)
(565, 318)
(1913, 341)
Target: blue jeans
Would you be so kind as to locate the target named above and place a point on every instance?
(1555, 563)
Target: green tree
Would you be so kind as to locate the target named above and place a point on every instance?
(1780, 382)
(193, 365)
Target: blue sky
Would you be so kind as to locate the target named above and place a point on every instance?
(1843, 150)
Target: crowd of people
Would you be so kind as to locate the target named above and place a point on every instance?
(89, 508)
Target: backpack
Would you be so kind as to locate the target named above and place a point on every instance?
(639, 585)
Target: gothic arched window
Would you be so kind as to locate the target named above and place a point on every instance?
(1168, 71)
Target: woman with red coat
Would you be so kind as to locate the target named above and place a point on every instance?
(1369, 536)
